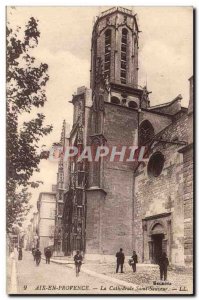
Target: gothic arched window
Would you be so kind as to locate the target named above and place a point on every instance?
(107, 58)
(132, 104)
(146, 132)
(123, 55)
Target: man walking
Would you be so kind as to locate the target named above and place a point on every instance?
(78, 262)
(37, 256)
(120, 260)
(48, 255)
(163, 264)
(134, 261)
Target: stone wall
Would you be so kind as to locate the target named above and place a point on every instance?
(109, 217)
(188, 205)
(159, 195)
(159, 121)
(178, 129)
(95, 203)
(165, 194)
(120, 128)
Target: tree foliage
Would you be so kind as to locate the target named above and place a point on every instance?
(26, 82)
(17, 210)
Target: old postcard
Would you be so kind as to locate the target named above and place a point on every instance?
(100, 150)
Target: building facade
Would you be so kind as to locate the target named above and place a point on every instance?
(144, 206)
(46, 206)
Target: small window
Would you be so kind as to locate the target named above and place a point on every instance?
(124, 39)
(132, 104)
(108, 33)
(123, 74)
(123, 48)
(123, 56)
(123, 65)
(107, 57)
(115, 100)
(124, 32)
(108, 39)
(107, 49)
(155, 164)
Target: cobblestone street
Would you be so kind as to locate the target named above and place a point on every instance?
(146, 275)
(95, 279)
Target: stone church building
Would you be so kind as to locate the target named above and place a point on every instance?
(146, 206)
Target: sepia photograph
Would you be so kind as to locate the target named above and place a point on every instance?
(99, 150)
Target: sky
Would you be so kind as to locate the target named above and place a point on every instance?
(165, 60)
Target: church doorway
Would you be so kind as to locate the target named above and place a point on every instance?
(156, 237)
(157, 247)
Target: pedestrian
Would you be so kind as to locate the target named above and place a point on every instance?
(120, 260)
(78, 262)
(33, 253)
(37, 256)
(134, 261)
(48, 255)
(20, 254)
(163, 264)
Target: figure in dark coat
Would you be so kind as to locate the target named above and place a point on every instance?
(78, 262)
(48, 255)
(120, 260)
(33, 252)
(134, 261)
(163, 264)
(20, 254)
(37, 256)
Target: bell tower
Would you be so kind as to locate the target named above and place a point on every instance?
(115, 42)
(113, 122)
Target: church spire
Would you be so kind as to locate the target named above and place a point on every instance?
(63, 132)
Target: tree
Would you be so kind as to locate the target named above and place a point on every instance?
(17, 209)
(26, 82)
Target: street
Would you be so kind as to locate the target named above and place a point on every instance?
(53, 278)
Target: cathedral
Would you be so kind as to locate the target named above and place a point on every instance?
(104, 205)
